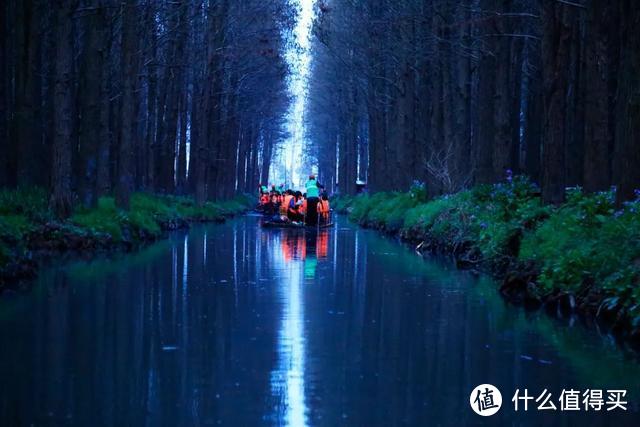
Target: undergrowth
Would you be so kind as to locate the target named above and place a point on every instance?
(25, 210)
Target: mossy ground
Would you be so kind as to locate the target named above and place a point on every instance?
(26, 223)
(586, 248)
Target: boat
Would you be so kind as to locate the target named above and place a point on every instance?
(298, 226)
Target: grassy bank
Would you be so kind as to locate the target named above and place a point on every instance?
(581, 256)
(29, 231)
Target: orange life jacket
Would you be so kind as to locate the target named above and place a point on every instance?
(323, 207)
(303, 209)
(284, 207)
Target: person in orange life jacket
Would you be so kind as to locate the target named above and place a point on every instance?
(324, 209)
(284, 206)
(263, 197)
(293, 212)
(272, 207)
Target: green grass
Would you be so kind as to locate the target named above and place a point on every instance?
(25, 210)
(487, 216)
(104, 218)
(147, 214)
(13, 228)
(31, 202)
(587, 242)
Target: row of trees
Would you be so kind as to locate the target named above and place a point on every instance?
(114, 96)
(459, 92)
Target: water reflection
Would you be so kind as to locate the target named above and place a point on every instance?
(296, 261)
(234, 325)
(287, 380)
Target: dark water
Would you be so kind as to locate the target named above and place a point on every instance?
(233, 325)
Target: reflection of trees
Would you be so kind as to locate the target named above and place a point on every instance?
(409, 337)
(142, 339)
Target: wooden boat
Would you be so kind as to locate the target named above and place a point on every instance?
(297, 226)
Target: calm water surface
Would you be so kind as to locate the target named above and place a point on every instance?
(234, 325)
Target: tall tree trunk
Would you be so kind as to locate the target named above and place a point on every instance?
(91, 102)
(627, 153)
(126, 155)
(30, 170)
(4, 94)
(532, 138)
(483, 152)
(199, 151)
(599, 141)
(61, 198)
(574, 117)
(181, 172)
(555, 56)
(502, 135)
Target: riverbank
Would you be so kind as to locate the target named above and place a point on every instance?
(581, 257)
(31, 234)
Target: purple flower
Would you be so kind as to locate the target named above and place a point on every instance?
(509, 175)
(483, 225)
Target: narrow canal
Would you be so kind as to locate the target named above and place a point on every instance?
(235, 325)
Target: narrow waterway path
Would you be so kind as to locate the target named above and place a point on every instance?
(234, 325)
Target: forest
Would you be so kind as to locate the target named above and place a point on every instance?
(459, 93)
(107, 97)
(368, 151)
(190, 97)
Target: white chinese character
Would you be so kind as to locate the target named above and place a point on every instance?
(593, 399)
(525, 397)
(614, 400)
(569, 400)
(545, 396)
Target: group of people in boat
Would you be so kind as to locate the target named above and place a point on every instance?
(310, 208)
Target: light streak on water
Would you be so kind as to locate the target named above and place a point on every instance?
(288, 379)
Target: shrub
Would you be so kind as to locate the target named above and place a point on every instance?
(586, 241)
(421, 218)
(342, 203)
(489, 217)
(104, 218)
(13, 227)
(31, 202)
